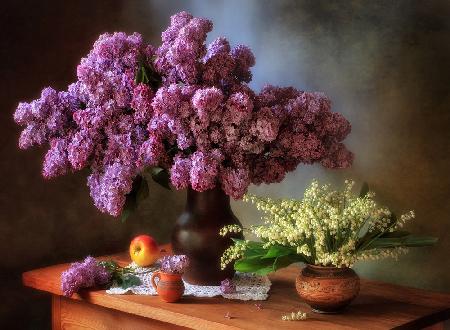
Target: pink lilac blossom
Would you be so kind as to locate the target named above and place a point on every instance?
(174, 264)
(204, 169)
(180, 173)
(227, 286)
(142, 103)
(191, 113)
(183, 44)
(235, 181)
(244, 60)
(218, 64)
(84, 274)
(56, 161)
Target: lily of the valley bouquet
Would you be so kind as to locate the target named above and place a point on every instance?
(326, 228)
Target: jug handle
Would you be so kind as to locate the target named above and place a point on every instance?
(155, 275)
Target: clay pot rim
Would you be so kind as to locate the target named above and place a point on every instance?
(326, 267)
(169, 274)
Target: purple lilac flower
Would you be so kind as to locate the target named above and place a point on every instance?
(180, 172)
(142, 103)
(202, 123)
(206, 101)
(218, 63)
(235, 181)
(80, 149)
(84, 274)
(108, 188)
(266, 125)
(244, 60)
(227, 286)
(175, 264)
(183, 45)
(46, 118)
(56, 161)
(204, 170)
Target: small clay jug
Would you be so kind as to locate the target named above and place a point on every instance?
(327, 289)
(169, 287)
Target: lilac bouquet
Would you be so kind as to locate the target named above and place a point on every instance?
(84, 274)
(183, 112)
(175, 264)
(92, 273)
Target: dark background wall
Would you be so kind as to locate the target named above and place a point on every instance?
(384, 64)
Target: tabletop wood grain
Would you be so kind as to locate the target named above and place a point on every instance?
(379, 305)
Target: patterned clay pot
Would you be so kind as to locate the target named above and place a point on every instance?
(327, 289)
(170, 287)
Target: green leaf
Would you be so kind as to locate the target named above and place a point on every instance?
(278, 251)
(265, 270)
(129, 280)
(364, 190)
(283, 261)
(370, 236)
(125, 280)
(146, 74)
(255, 245)
(142, 75)
(397, 233)
(110, 265)
(263, 266)
(255, 252)
(138, 193)
(252, 265)
(250, 253)
(237, 239)
(142, 192)
(126, 212)
(161, 176)
(404, 241)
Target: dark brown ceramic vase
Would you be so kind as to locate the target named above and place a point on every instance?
(196, 234)
(170, 287)
(327, 289)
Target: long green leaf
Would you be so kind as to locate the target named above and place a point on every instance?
(265, 270)
(364, 190)
(161, 176)
(138, 193)
(284, 261)
(397, 233)
(142, 192)
(405, 241)
(369, 237)
(278, 251)
(262, 266)
(253, 248)
(252, 265)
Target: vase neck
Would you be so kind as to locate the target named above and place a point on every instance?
(209, 201)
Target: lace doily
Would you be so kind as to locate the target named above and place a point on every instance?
(248, 286)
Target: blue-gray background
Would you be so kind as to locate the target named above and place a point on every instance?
(384, 64)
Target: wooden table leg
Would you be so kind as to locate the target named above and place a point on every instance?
(437, 326)
(56, 312)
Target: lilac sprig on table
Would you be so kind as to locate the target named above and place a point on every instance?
(182, 113)
(92, 273)
(174, 264)
(227, 286)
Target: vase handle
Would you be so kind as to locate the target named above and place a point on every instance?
(154, 276)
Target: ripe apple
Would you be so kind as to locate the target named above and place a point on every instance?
(144, 250)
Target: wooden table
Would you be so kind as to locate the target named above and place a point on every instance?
(379, 306)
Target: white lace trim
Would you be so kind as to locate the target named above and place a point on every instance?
(248, 286)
